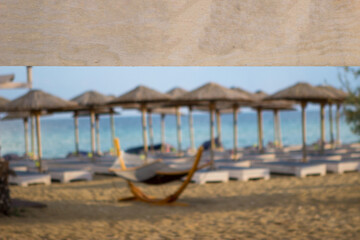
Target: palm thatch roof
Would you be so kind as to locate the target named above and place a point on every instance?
(212, 92)
(91, 99)
(176, 92)
(141, 95)
(260, 102)
(6, 78)
(247, 93)
(37, 100)
(3, 102)
(98, 111)
(20, 115)
(302, 92)
(341, 95)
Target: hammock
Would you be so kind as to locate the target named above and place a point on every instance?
(156, 173)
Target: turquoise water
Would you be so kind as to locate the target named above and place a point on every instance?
(58, 134)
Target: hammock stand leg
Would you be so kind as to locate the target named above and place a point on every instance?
(138, 195)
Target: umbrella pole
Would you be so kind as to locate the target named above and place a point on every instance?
(162, 133)
(303, 116)
(338, 141)
(26, 131)
(218, 124)
(92, 126)
(191, 127)
(235, 129)
(151, 131)
(76, 124)
(331, 125)
(322, 127)
(97, 121)
(38, 133)
(212, 133)
(143, 115)
(112, 125)
(260, 130)
(178, 127)
(33, 138)
(279, 130)
(276, 137)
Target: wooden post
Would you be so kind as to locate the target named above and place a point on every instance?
(338, 140)
(178, 127)
(29, 76)
(33, 137)
(112, 126)
(322, 127)
(76, 125)
(260, 130)
(26, 132)
(151, 130)
(331, 125)
(191, 128)
(218, 124)
(303, 117)
(235, 129)
(276, 137)
(92, 126)
(162, 133)
(97, 121)
(212, 133)
(38, 133)
(143, 113)
(278, 123)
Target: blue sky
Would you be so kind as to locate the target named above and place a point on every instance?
(67, 82)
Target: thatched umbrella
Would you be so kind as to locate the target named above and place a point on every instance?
(36, 101)
(303, 93)
(212, 93)
(341, 96)
(274, 105)
(141, 95)
(90, 100)
(98, 112)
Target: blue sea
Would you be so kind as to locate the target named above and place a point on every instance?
(58, 133)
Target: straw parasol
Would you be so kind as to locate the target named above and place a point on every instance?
(213, 93)
(25, 117)
(141, 95)
(303, 93)
(90, 100)
(341, 97)
(275, 106)
(36, 101)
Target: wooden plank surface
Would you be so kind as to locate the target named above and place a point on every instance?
(187, 32)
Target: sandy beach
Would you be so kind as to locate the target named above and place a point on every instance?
(281, 208)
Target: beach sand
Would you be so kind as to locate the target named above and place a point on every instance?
(281, 208)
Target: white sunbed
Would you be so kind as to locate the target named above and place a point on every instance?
(26, 178)
(246, 173)
(206, 176)
(298, 169)
(68, 175)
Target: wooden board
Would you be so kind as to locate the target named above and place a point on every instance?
(187, 32)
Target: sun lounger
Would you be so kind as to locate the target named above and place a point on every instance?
(340, 166)
(207, 176)
(232, 163)
(298, 169)
(246, 173)
(68, 175)
(25, 178)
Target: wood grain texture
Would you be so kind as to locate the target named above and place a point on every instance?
(187, 32)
